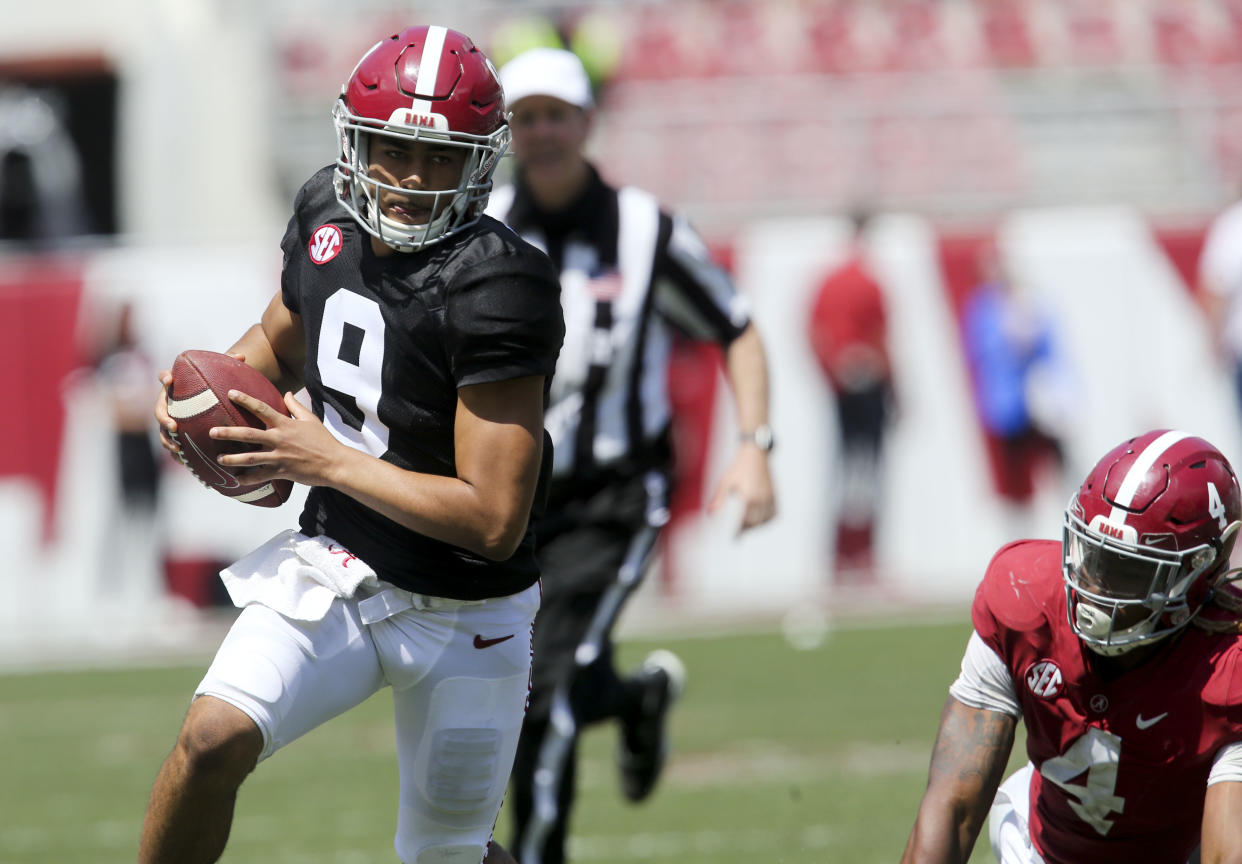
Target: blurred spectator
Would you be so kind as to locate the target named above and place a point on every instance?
(522, 33)
(1220, 288)
(125, 378)
(126, 373)
(849, 334)
(1018, 378)
(593, 35)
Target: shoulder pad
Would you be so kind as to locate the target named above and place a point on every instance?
(1022, 585)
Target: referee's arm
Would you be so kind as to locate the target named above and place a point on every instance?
(747, 476)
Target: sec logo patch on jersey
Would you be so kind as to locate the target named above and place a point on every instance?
(1044, 679)
(325, 244)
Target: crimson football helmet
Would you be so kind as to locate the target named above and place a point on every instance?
(423, 84)
(1147, 538)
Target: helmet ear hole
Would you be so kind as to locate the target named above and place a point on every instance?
(1202, 559)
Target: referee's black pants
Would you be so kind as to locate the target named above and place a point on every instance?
(582, 544)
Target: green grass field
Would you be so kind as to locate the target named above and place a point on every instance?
(780, 755)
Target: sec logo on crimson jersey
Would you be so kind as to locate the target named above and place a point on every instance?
(325, 243)
(1044, 679)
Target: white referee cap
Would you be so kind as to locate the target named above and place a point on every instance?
(546, 72)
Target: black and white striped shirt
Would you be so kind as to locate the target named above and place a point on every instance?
(631, 275)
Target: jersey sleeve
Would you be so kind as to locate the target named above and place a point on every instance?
(693, 292)
(504, 321)
(1227, 767)
(1223, 694)
(291, 243)
(985, 681)
(288, 287)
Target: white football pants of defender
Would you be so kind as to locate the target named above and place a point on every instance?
(1008, 829)
(460, 675)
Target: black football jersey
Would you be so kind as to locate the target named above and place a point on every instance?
(389, 341)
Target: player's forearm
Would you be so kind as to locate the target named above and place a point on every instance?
(747, 368)
(1221, 837)
(485, 521)
(261, 354)
(276, 346)
(968, 761)
(937, 839)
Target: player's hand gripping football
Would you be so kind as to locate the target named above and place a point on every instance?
(298, 448)
(168, 426)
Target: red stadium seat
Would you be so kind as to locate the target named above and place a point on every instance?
(1006, 35)
(1175, 39)
(834, 48)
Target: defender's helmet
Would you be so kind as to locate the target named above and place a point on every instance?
(422, 84)
(1151, 528)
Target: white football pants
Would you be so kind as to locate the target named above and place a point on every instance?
(460, 675)
(1008, 829)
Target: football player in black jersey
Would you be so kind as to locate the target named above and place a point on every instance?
(632, 276)
(425, 335)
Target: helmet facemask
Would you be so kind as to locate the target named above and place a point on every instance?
(1107, 579)
(453, 209)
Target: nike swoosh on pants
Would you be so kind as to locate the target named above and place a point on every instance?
(480, 642)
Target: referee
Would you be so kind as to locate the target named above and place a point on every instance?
(632, 275)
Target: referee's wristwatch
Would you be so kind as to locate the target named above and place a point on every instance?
(761, 437)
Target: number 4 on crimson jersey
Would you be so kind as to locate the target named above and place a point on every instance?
(1124, 761)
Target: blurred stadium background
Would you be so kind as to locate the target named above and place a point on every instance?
(149, 151)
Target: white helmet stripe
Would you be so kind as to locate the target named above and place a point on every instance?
(429, 65)
(1153, 451)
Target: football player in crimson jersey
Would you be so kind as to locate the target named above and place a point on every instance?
(1119, 650)
(425, 335)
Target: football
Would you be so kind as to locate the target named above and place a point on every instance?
(198, 400)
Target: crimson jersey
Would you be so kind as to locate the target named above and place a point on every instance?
(849, 315)
(1122, 763)
(389, 341)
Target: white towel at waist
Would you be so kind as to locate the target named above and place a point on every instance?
(296, 575)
